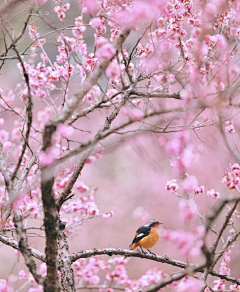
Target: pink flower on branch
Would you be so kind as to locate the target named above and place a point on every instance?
(172, 186)
(106, 51)
(213, 194)
(48, 156)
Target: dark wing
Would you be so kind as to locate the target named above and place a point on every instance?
(141, 233)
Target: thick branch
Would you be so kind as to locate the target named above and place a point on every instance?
(67, 275)
(14, 244)
(24, 248)
(161, 259)
(51, 282)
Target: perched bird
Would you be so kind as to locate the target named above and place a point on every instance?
(146, 236)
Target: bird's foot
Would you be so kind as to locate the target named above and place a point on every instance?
(151, 252)
(143, 251)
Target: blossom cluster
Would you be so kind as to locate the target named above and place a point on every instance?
(232, 177)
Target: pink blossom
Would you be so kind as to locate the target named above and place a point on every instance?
(113, 70)
(172, 186)
(92, 6)
(43, 269)
(22, 275)
(232, 177)
(94, 280)
(229, 127)
(190, 285)
(106, 51)
(33, 32)
(221, 42)
(4, 287)
(66, 7)
(100, 41)
(60, 11)
(213, 194)
(95, 22)
(234, 287)
(65, 130)
(199, 190)
(81, 187)
(108, 215)
(219, 285)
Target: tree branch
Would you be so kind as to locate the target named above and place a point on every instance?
(161, 259)
(14, 244)
(67, 275)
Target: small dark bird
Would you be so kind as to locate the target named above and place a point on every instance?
(146, 236)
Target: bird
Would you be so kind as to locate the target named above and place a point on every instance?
(146, 236)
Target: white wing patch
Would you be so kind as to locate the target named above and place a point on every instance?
(140, 235)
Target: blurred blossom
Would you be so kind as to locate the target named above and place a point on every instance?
(189, 284)
(4, 287)
(65, 130)
(174, 147)
(186, 242)
(48, 156)
(95, 22)
(135, 114)
(113, 70)
(190, 183)
(234, 287)
(43, 269)
(40, 1)
(92, 6)
(187, 209)
(4, 136)
(106, 51)
(36, 289)
(141, 213)
(22, 275)
(100, 41)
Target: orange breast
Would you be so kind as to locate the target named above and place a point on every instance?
(150, 240)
